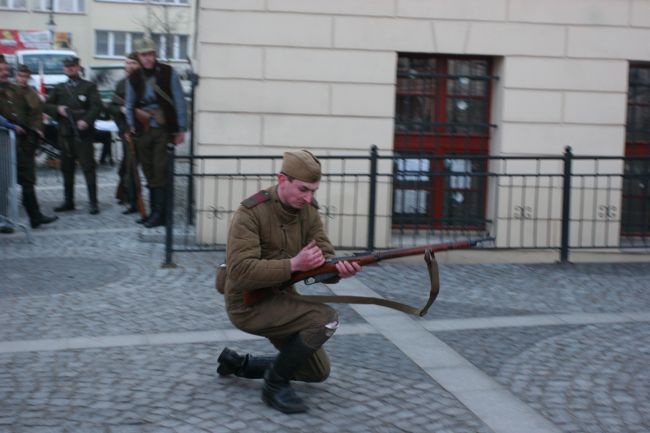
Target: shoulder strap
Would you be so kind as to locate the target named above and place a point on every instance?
(257, 198)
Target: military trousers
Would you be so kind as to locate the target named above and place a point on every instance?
(81, 150)
(280, 317)
(25, 164)
(152, 151)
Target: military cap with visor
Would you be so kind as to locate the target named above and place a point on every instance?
(24, 69)
(71, 61)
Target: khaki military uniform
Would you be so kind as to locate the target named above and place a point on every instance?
(263, 237)
(22, 106)
(82, 98)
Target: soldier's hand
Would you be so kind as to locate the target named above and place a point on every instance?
(179, 137)
(20, 131)
(347, 269)
(82, 125)
(310, 257)
(61, 109)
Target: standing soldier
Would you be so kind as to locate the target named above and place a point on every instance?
(117, 109)
(21, 106)
(155, 88)
(76, 104)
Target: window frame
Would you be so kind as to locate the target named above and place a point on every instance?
(440, 140)
(11, 5)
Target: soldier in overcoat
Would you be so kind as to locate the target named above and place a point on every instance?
(274, 233)
(21, 105)
(76, 99)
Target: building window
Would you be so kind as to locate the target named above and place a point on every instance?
(635, 217)
(13, 4)
(114, 44)
(441, 114)
(70, 6)
(155, 2)
(170, 46)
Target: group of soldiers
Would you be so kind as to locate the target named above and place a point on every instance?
(148, 107)
(274, 234)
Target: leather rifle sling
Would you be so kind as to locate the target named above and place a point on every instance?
(434, 277)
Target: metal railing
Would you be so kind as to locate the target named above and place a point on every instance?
(559, 202)
(9, 217)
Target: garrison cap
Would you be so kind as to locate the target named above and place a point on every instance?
(24, 69)
(71, 61)
(145, 45)
(301, 165)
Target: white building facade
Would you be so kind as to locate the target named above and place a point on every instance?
(101, 31)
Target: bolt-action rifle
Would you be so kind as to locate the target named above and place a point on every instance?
(46, 146)
(327, 272)
(72, 123)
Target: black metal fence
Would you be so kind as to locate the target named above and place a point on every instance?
(381, 200)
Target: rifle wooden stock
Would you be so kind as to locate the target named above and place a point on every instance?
(133, 169)
(328, 270)
(141, 116)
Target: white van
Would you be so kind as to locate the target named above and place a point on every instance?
(52, 61)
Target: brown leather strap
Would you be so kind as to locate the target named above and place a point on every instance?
(434, 277)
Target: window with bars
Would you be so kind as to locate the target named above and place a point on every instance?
(442, 112)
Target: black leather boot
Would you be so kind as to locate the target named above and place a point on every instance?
(277, 391)
(157, 217)
(246, 366)
(36, 218)
(93, 207)
(68, 193)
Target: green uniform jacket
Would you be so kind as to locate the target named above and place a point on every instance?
(21, 105)
(83, 99)
(261, 241)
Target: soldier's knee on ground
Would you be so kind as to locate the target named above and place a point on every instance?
(326, 322)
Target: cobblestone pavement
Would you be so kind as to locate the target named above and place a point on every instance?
(96, 337)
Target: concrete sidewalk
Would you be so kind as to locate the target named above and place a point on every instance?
(96, 337)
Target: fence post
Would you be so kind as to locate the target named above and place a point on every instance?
(566, 205)
(169, 208)
(194, 80)
(372, 201)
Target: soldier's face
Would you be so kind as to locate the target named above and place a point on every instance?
(71, 71)
(296, 193)
(147, 60)
(4, 72)
(22, 78)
